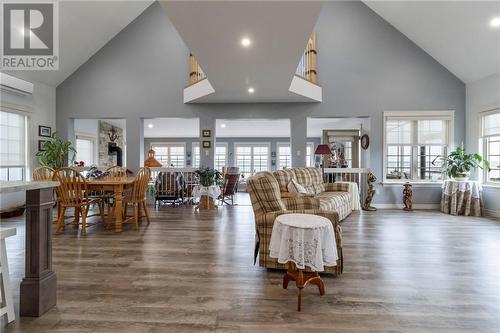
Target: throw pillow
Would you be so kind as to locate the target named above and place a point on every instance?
(293, 186)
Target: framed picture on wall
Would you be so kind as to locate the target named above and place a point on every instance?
(365, 141)
(206, 133)
(207, 144)
(41, 145)
(45, 131)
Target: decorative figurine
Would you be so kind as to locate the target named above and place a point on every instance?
(407, 197)
(370, 192)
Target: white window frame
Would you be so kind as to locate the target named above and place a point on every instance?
(194, 145)
(483, 175)
(93, 139)
(311, 159)
(221, 144)
(19, 110)
(253, 144)
(416, 115)
(282, 144)
(170, 144)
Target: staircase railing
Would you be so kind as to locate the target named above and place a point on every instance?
(307, 68)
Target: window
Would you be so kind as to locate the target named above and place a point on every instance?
(284, 156)
(170, 154)
(413, 143)
(12, 146)
(309, 154)
(252, 158)
(85, 150)
(490, 137)
(196, 155)
(220, 156)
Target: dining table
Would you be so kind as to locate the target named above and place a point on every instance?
(117, 185)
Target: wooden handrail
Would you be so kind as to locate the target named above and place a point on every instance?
(195, 72)
(307, 68)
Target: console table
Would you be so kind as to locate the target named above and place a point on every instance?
(461, 198)
(38, 288)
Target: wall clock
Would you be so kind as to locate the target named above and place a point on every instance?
(365, 141)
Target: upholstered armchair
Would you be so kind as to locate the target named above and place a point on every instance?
(267, 205)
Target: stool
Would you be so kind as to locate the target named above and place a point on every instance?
(6, 299)
(301, 240)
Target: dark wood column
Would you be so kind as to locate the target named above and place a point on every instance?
(38, 288)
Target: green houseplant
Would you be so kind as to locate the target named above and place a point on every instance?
(458, 164)
(208, 176)
(56, 152)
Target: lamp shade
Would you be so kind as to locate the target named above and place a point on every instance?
(322, 150)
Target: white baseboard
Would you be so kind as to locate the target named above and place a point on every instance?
(415, 206)
(492, 213)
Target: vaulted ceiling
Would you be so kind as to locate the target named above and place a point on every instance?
(456, 33)
(278, 31)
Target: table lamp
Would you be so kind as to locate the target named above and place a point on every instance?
(323, 149)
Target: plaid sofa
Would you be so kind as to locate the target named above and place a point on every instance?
(328, 196)
(267, 204)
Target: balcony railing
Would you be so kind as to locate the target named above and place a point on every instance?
(307, 66)
(196, 74)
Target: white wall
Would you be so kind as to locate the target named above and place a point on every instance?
(41, 110)
(482, 95)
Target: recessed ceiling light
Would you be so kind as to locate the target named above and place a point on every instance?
(223, 125)
(495, 22)
(251, 90)
(246, 42)
(150, 125)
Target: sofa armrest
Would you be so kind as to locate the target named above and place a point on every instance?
(337, 187)
(301, 202)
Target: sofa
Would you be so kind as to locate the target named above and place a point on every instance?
(327, 196)
(268, 203)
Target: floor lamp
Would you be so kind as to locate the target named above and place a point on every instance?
(323, 149)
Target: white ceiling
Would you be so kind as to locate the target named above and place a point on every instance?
(253, 128)
(279, 31)
(84, 28)
(456, 33)
(172, 128)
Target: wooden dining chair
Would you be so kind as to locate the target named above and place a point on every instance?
(42, 173)
(137, 196)
(72, 192)
(117, 171)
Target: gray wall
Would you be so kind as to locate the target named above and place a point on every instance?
(365, 67)
(230, 144)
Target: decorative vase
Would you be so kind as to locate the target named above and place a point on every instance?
(461, 176)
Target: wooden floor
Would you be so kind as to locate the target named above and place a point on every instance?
(193, 272)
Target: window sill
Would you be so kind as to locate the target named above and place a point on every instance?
(491, 186)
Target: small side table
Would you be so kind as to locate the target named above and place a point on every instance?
(462, 198)
(301, 240)
(207, 196)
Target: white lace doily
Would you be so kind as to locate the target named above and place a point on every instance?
(450, 187)
(305, 239)
(212, 191)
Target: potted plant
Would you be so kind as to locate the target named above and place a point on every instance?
(458, 165)
(208, 176)
(56, 152)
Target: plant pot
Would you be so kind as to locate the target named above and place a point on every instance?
(462, 176)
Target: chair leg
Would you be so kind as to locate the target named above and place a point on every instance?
(145, 210)
(77, 217)
(60, 220)
(85, 212)
(111, 213)
(101, 211)
(4, 266)
(136, 215)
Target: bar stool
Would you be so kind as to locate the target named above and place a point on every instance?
(6, 298)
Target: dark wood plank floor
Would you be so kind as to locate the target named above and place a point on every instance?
(192, 272)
